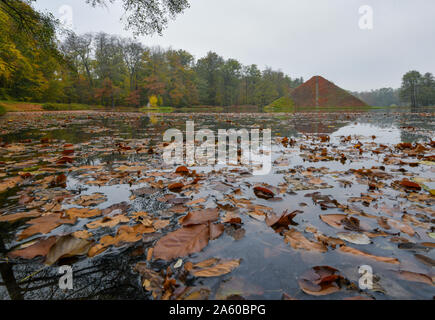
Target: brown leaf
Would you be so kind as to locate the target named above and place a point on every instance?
(175, 187)
(200, 217)
(354, 251)
(263, 193)
(18, 216)
(403, 227)
(283, 221)
(319, 281)
(414, 277)
(82, 213)
(67, 246)
(182, 242)
(216, 230)
(182, 170)
(426, 260)
(40, 248)
(108, 222)
(232, 218)
(298, 241)
(10, 183)
(334, 220)
(44, 225)
(161, 224)
(409, 184)
(216, 270)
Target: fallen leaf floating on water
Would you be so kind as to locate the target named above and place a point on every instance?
(10, 183)
(357, 252)
(342, 221)
(182, 242)
(356, 238)
(263, 193)
(83, 213)
(298, 241)
(334, 220)
(319, 281)
(409, 184)
(182, 170)
(278, 223)
(40, 248)
(44, 225)
(403, 227)
(414, 277)
(175, 187)
(216, 230)
(67, 246)
(125, 234)
(216, 269)
(232, 218)
(108, 222)
(18, 216)
(426, 260)
(90, 200)
(200, 217)
(161, 224)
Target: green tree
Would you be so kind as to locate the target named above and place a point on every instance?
(411, 85)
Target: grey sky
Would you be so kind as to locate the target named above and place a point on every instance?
(302, 38)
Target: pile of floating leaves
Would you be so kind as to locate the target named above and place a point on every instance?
(80, 188)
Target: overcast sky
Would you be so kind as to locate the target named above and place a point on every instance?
(301, 38)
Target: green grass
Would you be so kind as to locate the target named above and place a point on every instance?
(201, 109)
(68, 107)
(283, 104)
(157, 109)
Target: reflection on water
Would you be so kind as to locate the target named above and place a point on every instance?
(270, 267)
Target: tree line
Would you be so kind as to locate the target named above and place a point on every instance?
(417, 90)
(111, 70)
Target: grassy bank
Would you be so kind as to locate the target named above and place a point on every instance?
(283, 104)
(69, 107)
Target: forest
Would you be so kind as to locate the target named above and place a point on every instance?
(103, 69)
(42, 62)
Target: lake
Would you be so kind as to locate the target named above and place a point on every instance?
(347, 189)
